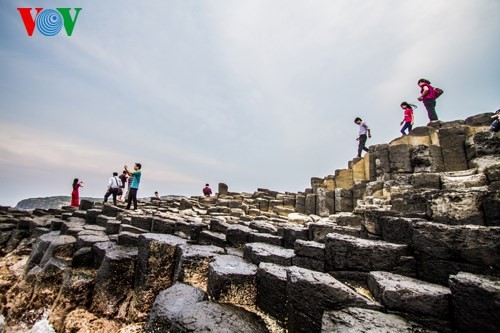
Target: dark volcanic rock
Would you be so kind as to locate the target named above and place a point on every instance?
(212, 238)
(62, 247)
(265, 238)
(99, 250)
(263, 227)
(476, 302)
(238, 235)
(291, 233)
(310, 293)
(271, 290)
(193, 261)
(427, 304)
(142, 222)
(182, 309)
(260, 252)
(126, 238)
(310, 255)
(232, 280)
(41, 245)
(358, 320)
(162, 226)
(155, 266)
(89, 240)
(114, 280)
(84, 257)
(350, 253)
(442, 250)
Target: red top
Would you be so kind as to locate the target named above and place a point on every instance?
(430, 94)
(207, 191)
(408, 115)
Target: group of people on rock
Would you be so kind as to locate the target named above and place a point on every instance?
(428, 95)
(128, 183)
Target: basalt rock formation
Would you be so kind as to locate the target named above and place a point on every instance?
(406, 238)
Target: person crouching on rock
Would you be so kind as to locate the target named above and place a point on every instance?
(114, 188)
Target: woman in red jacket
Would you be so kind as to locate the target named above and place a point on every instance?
(428, 97)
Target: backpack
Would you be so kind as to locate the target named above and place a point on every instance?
(438, 92)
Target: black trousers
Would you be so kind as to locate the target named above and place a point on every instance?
(111, 191)
(361, 145)
(430, 105)
(132, 196)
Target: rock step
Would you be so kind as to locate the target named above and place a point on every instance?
(422, 302)
(184, 308)
(354, 320)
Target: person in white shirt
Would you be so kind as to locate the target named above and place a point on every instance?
(114, 188)
(363, 130)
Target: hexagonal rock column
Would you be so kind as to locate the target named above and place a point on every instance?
(261, 252)
(442, 250)
(238, 235)
(212, 238)
(291, 233)
(425, 303)
(271, 290)
(62, 247)
(356, 254)
(114, 280)
(155, 267)
(192, 264)
(232, 280)
(41, 245)
(310, 255)
(364, 320)
(183, 308)
(476, 303)
(310, 293)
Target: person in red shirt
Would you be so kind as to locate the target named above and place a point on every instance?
(428, 97)
(207, 191)
(408, 117)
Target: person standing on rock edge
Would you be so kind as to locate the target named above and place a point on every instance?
(428, 97)
(408, 118)
(207, 191)
(363, 130)
(114, 188)
(75, 195)
(134, 186)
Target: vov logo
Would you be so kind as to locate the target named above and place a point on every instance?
(49, 22)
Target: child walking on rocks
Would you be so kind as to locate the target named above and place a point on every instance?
(408, 118)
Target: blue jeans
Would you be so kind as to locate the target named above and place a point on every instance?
(408, 126)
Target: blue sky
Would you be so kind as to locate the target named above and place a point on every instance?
(258, 93)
